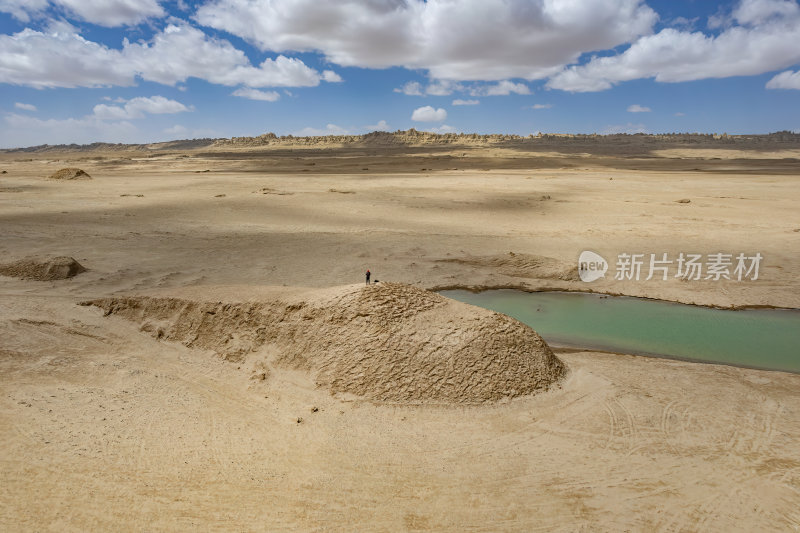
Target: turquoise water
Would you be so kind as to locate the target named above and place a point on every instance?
(759, 338)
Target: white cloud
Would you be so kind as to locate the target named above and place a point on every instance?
(429, 114)
(443, 88)
(459, 101)
(177, 129)
(636, 108)
(380, 126)
(22, 9)
(762, 37)
(110, 112)
(181, 51)
(255, 94)
(60, 57)
(25, 107)
(154, 105)
(331, 77)
(541, 106)
(23, 130)
(411, 88)
(451, 39)
(759, 11)
(785, 80)
(625, 128)
(102, 12)
(330, 129)
(435, 88)
(683, 22)
(113, 12)
(502, 88)
(138, 107)
(680, 114)
(182, 132)
(444, 128)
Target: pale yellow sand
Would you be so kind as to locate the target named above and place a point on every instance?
(104, 428)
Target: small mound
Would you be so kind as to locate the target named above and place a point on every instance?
(70, 174)
(388, 342)
(43, 268)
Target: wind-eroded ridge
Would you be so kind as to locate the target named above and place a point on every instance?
(386, 342)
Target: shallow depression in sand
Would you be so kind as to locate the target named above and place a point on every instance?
(760, 338)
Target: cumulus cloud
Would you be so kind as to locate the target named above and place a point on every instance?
(23, 130)
(181, 51)
(636, 108)
(459, 101)
(331, 77)
(762, 37)
(60, 57)
(502, 88)
(429, 114)
(435, 88)
(451, 39)
(155, 105)
(785, 80)
(113, 12)
(759, 11)
(443, 88)
(22, 9)
(179, 131)
(107, 13)
(411, 88)
(625, 128)
(444, 128)
(448, 87)
(330, 129)
(25, 107)
(138, 107)
(380, 126)
(684, 23)
(255, 94)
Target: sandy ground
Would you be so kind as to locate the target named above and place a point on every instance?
(105, 428)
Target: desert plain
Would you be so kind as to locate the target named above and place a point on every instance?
(116, 419)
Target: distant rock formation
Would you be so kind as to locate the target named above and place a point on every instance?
(414, 137)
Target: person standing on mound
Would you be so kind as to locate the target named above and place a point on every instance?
(368, 275)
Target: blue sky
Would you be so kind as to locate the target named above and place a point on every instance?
(153, 70)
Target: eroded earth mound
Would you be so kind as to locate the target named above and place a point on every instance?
(43, 268)
(386, 342)
(70, 174)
